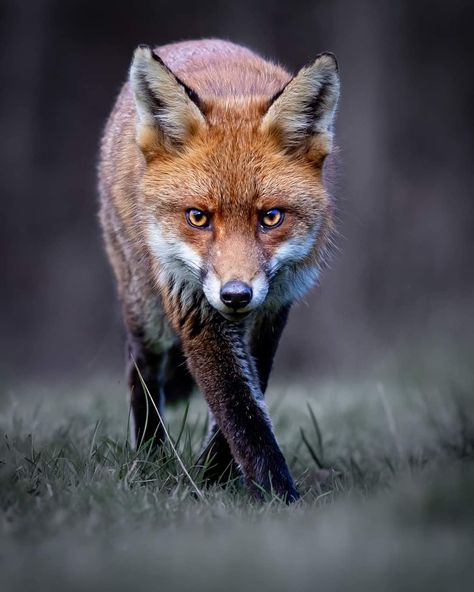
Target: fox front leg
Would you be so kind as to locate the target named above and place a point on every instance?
(265, 336)
(219, 464)
(146, 386)
(221, 364)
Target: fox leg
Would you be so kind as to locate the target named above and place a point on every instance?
(221, 363)
(145, 366)
(178, 381)
(265, 337)
(217, 456)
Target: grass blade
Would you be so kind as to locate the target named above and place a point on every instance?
(175, 452)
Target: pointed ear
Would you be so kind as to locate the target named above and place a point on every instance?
(302, 114)
(168, 111)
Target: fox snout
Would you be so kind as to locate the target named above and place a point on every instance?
(236, 296)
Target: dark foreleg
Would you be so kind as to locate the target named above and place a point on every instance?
(265, 337)
(225, 371)
(178, 381)
(216, 457)
(145, 366)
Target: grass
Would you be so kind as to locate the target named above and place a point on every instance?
(386, 471)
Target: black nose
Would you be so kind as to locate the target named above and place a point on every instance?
(236, 294)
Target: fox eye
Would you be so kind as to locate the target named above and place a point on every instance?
(197, 218)
(272, 218)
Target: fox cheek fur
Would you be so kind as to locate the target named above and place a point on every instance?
(207, 141)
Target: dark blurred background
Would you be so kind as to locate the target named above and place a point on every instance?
(403, 278)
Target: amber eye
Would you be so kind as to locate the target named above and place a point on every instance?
(272, 218)
(197, 218)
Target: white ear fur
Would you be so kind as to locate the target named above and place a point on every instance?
(166, 115)
(305, 108)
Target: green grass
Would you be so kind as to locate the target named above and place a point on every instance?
(385, 468)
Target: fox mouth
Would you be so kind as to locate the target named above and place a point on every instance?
(235, 316)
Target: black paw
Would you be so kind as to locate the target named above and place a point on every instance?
(275, 481)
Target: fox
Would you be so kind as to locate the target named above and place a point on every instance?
(216, 219)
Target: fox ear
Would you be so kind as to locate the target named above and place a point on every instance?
(167, 109)
(301, 115)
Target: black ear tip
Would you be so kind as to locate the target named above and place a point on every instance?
(143, 46)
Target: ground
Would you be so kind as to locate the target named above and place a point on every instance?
(385, 467)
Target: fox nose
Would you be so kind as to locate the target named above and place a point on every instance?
(235, 294)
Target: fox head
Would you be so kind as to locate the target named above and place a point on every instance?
(232, 187)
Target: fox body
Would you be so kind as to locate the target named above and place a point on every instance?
(216, 218)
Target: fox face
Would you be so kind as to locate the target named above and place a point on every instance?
(233, 196)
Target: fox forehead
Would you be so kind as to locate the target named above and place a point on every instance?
(233, 169)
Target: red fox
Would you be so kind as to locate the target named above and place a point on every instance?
(216, 219)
